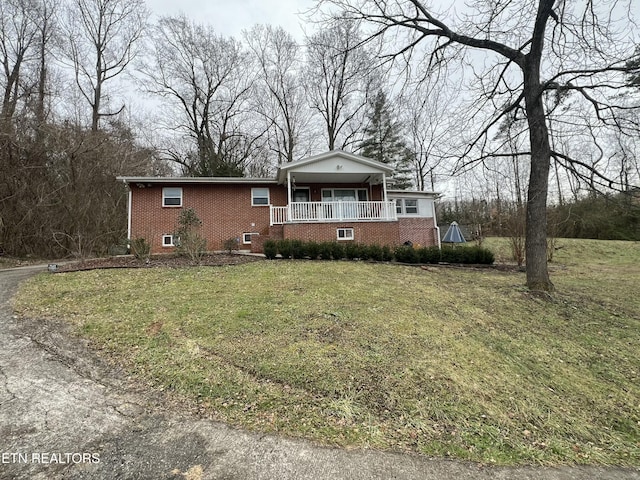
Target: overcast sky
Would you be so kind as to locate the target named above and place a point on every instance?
(230, 17)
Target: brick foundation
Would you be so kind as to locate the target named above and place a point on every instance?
(381, 233)
(420, 231)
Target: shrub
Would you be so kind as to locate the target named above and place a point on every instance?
(485, 256)
(337, 251)
(324, 250)
(114, 250)
(312, 250)
(429, 254)
(270, 249)
(297, 249)
(406, 254)
(374, 252)
(387, 253)
(230, 245)
(141, 249)
(365, 251)
(352, 251)
(467, 255)
(284, 248)
(449, 255)
(190, 244)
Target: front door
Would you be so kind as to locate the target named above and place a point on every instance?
(301, 209)
(301, 195)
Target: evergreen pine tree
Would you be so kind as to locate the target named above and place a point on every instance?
(383, 142)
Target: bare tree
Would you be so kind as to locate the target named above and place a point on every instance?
(281, 100)
(48, 30)
(102, 37)
(19, 25)
(579, 51)
(206, 80)
(428, 113)
(339, 81)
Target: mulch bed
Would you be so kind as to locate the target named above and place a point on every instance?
(218, 259)
(129, 261)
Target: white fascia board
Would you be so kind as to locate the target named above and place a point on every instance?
(196, 180)
(412, 194)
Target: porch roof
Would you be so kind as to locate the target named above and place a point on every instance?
(335, 166)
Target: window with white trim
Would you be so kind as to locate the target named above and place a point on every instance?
(345, 234)
(407, 206)
(172, 197)
(167, 241)
(246, 237)
(259, 196)
(345, 195)
(410, 206)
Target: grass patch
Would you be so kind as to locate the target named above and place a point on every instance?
(446, 362)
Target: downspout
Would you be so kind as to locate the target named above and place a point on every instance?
(435, 224)
(129, 216)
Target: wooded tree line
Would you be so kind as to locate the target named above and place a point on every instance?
(595, 216)
(61, 139)
(548, 106)
(224, 107)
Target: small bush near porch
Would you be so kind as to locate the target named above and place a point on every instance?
(449, 362)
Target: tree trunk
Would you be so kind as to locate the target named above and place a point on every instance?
(536, 227)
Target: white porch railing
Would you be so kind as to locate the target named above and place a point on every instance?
(300, 212)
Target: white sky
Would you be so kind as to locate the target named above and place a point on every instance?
(231, 17)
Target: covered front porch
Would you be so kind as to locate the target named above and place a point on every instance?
(334, 187)
(300, 212)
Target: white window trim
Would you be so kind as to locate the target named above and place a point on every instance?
(249, 234)
(345, 230)
(170, 244)
(253, 197)
(400, 202)
(404, 205)
(164, 197)
(332, 190)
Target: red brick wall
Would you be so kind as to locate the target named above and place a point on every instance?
(225, 211)
(418, 230)
(381, 233)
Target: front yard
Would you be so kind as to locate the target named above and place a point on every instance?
(444, 362)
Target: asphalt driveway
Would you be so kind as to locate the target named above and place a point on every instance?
(66, 414)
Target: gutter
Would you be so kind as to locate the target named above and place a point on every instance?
(195, 180)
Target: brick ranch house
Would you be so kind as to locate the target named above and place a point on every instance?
(334, 196)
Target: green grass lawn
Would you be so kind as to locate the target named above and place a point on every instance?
(458, 363)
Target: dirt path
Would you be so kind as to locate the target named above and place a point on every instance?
(64, 414)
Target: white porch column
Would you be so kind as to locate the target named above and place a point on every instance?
(384, 186)
(288, 194)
